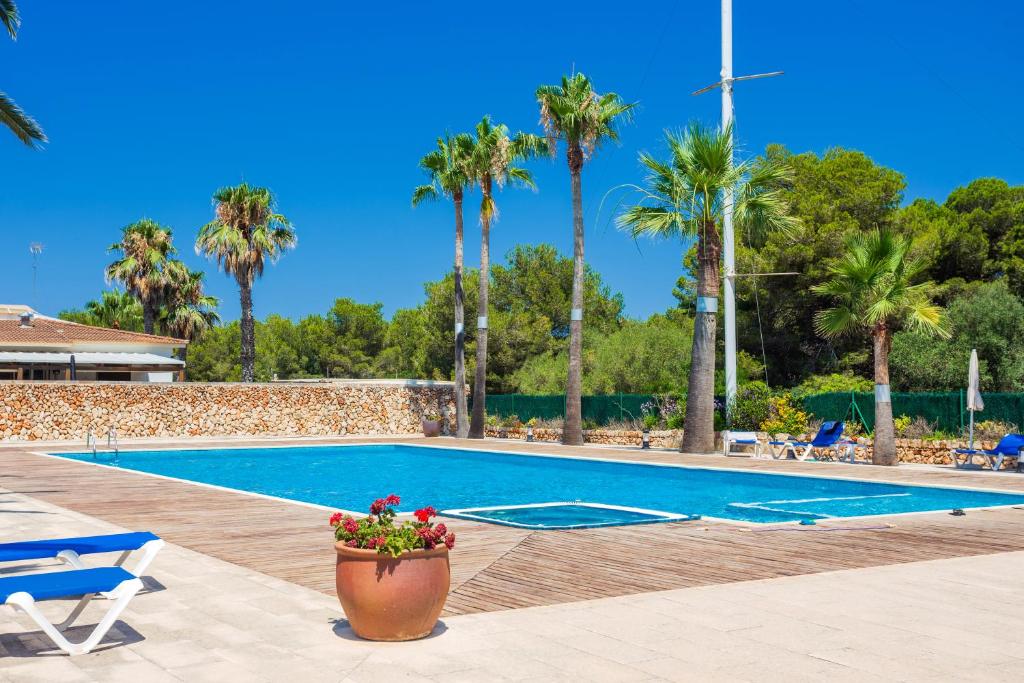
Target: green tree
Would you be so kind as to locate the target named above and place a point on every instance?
(493, 162)
(992, 207)
(143, 253)
(449, 173)
(684, 197)
(835, 195)
(404, 354)
(873, 289)
(214, 356)
(986, 317)
(21, 124)
(574, 113)
(246, 232)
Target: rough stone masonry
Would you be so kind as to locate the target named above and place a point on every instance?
(32, 411)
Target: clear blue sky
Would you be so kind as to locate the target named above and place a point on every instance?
(151, 106)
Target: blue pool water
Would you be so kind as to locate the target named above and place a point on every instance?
(350, 477)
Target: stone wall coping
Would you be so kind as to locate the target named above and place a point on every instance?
(428, 383)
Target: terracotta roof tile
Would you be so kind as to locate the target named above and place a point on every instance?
(51, 331)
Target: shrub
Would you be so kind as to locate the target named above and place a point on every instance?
(379, 532)
(784, 417)
(589, 424)
(827, 384)
(991, 430)
(751, 407)
(651, 421)
(675, 421)
(914, 428)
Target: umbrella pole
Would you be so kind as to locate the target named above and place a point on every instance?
(971, 440)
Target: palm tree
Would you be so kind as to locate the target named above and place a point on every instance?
(116, 309)
(144, 251)
(873, 289)
(21, 124)
(684, 198)
(448, 169)
(573, 112)
(246, 233)
(188, 311)
(493, 160)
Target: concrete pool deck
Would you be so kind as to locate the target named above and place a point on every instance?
(499, 568)
(912, 596)
(203, 619)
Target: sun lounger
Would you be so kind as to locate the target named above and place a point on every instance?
(824, 446)
(1010, 446)
(742, 439)
(24, 591)
(70, 550)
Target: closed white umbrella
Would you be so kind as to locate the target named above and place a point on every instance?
(974, 401)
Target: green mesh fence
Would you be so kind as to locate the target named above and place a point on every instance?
(598, 409)
(947, 410)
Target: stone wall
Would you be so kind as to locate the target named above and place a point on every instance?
(920, 451)
(66, 411)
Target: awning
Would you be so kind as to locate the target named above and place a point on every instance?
(89, 358)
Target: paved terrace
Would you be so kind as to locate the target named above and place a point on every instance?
(497, 568)
(203, 619)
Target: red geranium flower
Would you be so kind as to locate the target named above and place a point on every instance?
(424, 514)
(392, 499)
(353, 543)
(449, 541)
(350, 525)
(336, 519)
(377, 506)
(440, 529)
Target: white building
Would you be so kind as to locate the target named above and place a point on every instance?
(37, 347)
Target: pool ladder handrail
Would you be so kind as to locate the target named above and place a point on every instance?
(112, 439)
(90, 441)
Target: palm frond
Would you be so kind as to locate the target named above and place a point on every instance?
(10, 17)
(21, 124)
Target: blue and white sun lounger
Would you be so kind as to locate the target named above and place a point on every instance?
(1010, 446)
(114, 583)
(70, 550)
(825, 443)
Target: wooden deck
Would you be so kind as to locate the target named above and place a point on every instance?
(495, 568)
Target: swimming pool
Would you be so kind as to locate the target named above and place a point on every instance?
(349, 477)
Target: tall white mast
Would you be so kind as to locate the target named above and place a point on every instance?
(728, 234)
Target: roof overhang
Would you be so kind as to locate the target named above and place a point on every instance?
(90, 358)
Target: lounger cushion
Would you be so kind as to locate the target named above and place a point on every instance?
(64, 584)
(84, 545)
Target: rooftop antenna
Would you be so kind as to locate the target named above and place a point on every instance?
(728, 235)
(35, 248)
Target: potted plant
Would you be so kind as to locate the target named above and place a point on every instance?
(392, 579)
(431, 424)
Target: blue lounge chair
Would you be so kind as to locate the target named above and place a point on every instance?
(22, 593)
(70, 550)
(826, 444)
(1010, 446)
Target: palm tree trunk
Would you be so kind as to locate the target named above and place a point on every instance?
(477, 427)
(699, 424)
(884, 450)
(248, 329)
(148, 316)
(461, 419)
(572, 430)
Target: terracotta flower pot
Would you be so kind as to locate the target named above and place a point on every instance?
(388, 598)
(431, 427)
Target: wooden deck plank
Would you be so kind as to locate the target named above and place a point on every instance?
(495, 567)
